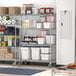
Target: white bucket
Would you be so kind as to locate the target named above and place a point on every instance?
(35, 53)
(41, 40)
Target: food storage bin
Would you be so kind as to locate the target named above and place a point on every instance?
(45, 50)
(25, 53)
(46, 25)
(28, 8)
(42, 10)
(48, 39)
(39, 25)
(41, 40)
(43, 33)
(35, 53)
(45, 57)
(53, 39)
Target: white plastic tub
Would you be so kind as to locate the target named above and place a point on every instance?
(38, 25)
(41, 40)
(43, 33)
(25, 53)
(45, 50)
(53, 41)
(48, 39)
(45, 57)
(35, 53)
(46, 24)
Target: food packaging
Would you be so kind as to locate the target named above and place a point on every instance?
(5, 50)
(14, 10)
(41, 40)
(3, 10)
(42, 10)
(2, 55)
(9, 55)
(42, 18)
(35, 51)
(46, 25)
(4, 43)
(26, 24)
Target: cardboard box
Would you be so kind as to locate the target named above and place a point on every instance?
(2, 55)
(5, 50)
(3, 10)
(9, 56)
(14, 10)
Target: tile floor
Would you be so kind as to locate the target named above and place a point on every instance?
(23, 66)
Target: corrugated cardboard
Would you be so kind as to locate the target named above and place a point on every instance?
(3, 10)
(5, 50)
(14, 10)
(9, 56)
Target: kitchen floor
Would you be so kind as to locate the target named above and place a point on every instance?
(23, 66)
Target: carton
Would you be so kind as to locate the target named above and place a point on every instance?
(9, 56)
(3, 10)
(5, 50)
(2, 55)
(14, 10)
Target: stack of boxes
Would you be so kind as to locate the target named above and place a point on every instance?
(10, 10)
(5, 53)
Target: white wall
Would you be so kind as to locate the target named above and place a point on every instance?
(65, 47)
(20, 2)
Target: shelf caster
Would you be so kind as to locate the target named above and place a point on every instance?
(15, 63)
(49, 65)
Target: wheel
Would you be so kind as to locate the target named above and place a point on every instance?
(49, 65)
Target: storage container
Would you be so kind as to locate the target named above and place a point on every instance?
(25, 53)
(53, 39)
(43, 33)
(46, 25)
(28, 9)
(41, 40)
(42, 10)
(4, 43)
(9, 55)
(3, 10)
(42, 18)
(39, 25)
(52, 25)
(35, 53)
(2, 55)
(34, 10)
(14, 10)
(45, 57)
(48, 39)
(5, 50)
(45, 50)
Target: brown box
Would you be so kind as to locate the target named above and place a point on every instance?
(5, 50)
(14, 10)
(9, 56)
(2, 55)
(3, 10)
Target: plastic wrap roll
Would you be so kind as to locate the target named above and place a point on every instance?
(13, 21)
(9, 22)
